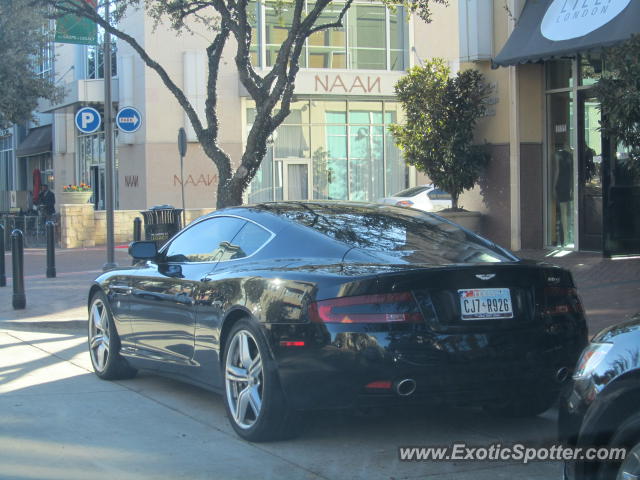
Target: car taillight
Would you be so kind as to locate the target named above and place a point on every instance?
(562, 300)
(379, 308)
(404, 203)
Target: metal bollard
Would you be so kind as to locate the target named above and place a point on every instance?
(137, 229)
(3, 274)
(17, 261)
(50, 228)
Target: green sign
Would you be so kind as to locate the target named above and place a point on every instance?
(75, 29)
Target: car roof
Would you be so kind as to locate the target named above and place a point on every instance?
(269, 213)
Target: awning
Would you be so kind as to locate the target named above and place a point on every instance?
(562, 28)
(38, 141)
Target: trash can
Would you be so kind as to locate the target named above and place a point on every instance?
(161, 223)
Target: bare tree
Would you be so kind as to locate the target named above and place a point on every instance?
(272, 91)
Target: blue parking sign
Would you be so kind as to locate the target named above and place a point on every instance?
(128, 119)
(88, 120)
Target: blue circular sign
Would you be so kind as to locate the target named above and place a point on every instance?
(88, 120)
(128, 119)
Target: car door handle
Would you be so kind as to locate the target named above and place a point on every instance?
(122, 289)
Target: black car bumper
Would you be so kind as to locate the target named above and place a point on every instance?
(336, 374)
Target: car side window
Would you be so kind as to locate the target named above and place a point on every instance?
(248, 240)
(205, 241)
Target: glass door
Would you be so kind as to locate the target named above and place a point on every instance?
(296, 179)
(98, 185)
(590, 172)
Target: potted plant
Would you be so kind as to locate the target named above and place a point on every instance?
(437, 137)
(76, 194)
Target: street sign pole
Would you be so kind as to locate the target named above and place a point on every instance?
(108, 133)
(182, 149)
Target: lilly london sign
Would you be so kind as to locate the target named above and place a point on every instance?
(567, 19)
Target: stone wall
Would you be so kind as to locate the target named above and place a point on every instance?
(81, 226)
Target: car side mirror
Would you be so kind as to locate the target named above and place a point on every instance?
(143, 250)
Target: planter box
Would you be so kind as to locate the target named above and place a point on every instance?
(74, 198)
(469, 220)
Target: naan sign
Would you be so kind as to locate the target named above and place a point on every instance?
(346, 83)
(568, 19)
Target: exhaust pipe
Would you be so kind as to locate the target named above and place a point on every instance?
(405, 387)
(562, 375)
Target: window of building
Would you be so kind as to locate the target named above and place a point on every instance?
(6, 163)
(44, 60)
(333, 150)
(95, 59)
(374, 38)
(91, 163)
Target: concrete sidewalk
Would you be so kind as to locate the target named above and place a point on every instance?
(57, 300)
(610, 289)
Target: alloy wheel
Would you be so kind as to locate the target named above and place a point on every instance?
(99, 341)
(630, 468)
(244, 379)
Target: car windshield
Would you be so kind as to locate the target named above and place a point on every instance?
(403, 235)
(411, 192)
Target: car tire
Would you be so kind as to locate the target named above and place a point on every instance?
(255, 403)
(104, 342)
(525, 406)
(627, 435)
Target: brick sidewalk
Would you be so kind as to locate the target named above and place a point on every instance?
(610, 289)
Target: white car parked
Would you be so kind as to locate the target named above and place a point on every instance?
(428, 198)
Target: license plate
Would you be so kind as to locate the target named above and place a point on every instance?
(485, 303)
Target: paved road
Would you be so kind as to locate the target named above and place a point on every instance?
(59, 421)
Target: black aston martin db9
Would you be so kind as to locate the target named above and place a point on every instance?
(289, 307)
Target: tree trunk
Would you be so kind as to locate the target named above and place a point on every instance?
(229, 195)
(454, 202)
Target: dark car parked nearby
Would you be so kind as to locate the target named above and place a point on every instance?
(602, 407)
(287, 307)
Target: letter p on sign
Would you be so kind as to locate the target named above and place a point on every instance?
(88, 120)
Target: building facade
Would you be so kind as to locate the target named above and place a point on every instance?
(548, 182)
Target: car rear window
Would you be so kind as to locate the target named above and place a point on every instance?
(438, 194)
(411, 192)
(394, 233)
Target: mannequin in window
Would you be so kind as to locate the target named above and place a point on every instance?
(564, 194)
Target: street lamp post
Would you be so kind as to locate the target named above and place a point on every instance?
(108, 133)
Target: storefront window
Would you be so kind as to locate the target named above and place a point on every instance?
(374, 37)
(591, 67)
(91, 158)
(396, 173)
(332, 150)
(561, 146)
(559, 74)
